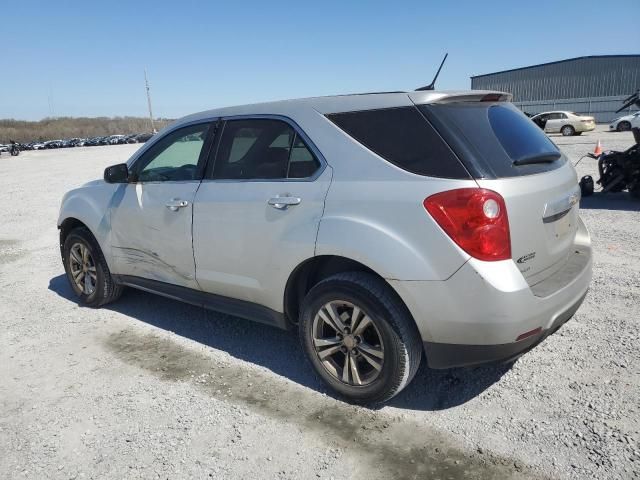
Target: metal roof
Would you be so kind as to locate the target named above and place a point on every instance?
(556, 62)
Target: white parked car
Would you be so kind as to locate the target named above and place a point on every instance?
(625, 123)
(566, 123)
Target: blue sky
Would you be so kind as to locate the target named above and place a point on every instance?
(68, 58)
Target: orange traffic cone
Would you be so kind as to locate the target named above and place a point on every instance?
(598, 150)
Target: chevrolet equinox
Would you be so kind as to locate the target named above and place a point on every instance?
(384, 227)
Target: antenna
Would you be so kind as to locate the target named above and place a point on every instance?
(146, 82)
(432, 85)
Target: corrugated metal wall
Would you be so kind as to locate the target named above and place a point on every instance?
(603, 109)
(594, 85)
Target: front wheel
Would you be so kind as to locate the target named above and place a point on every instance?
(87, 269)
(568, 131)
(359, 337)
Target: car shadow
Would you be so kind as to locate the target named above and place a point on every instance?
(610, 201)
(280, 351)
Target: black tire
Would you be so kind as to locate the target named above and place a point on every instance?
(567, 131)
(392, 321)
(623, 126)
(106, 290)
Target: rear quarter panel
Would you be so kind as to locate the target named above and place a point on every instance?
(374, 212)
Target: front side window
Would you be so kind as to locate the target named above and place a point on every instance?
(255, 149)
(174, 157)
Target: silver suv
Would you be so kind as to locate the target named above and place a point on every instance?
(384, 227)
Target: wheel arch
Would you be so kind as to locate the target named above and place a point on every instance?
(67, 225)
(70, 223)
(315, 269)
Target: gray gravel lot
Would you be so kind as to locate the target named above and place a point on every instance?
(152, 388)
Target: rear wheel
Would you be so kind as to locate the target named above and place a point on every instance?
(87, 269)
(624, 126)
(568, 131)
(359, 337)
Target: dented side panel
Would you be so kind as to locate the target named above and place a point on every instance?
(150, 240)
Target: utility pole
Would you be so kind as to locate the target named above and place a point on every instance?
(146, 82)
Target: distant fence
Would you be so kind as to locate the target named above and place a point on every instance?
(603, 109)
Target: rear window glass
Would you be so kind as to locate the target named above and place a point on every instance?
(403, 137)
(490, 137)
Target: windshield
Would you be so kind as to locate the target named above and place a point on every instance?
(494, 140)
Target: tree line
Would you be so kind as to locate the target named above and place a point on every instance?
(23, 131)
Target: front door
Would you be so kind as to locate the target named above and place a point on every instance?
(151, 216)
(257, 212)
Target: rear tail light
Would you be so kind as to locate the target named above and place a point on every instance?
(474, 218)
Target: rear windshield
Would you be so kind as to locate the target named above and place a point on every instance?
(403, 137)
(490, 137)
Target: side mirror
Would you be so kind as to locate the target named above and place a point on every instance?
(116, 173)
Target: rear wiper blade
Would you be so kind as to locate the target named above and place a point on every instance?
(537, 158)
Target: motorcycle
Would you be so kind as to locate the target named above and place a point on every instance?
(618, 171)
(14, 150)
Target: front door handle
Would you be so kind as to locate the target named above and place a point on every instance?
(281, 203)
(176, 204)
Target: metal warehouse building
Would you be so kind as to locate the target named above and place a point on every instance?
(594, 85)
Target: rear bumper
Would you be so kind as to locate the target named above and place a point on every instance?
(478, 314)
(446, 355)
(585, 127)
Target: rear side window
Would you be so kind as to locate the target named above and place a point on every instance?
(403, 137)
(490, 137)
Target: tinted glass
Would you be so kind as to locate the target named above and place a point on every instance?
(489, 137)
(403, 137)
(174, 157)
(302, 163)
(262, 149)
(518, 136)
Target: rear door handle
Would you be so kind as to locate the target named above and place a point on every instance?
(176, 204)
(281, 203)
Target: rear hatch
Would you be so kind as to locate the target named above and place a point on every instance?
(507, 153)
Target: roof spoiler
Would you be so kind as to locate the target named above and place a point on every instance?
(456, 97)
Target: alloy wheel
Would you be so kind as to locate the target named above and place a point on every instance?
(83, 268)
(348, 343)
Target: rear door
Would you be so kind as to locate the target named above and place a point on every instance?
(509, 154)
(257, 212)
(554, 122)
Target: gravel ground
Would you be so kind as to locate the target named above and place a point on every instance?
(152, 388)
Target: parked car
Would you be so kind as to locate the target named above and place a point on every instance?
(115, 139)
(625, 123)
(143, 137)
(367, 222)
(53, 144)
(566, 123)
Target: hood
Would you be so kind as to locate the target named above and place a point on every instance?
(92, 183)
